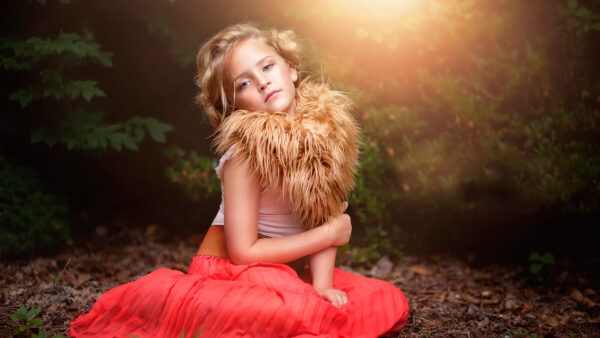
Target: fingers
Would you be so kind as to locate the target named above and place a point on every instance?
(337, 298)
(341, 298)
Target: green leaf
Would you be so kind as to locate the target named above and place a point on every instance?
(157, 129)
(36, 321)
(130, 144)
(595, 26)
(105, 59)
(42, 334)
(132, 335)
(56, 92)
(584, 13)
(139, 133)
(72, 143)
(24, 95)
(182, 333)
(535, 268)
(547, 258)
(33, 312)
(572, 4)
(535, 256)
(116, 140)
(9, 63)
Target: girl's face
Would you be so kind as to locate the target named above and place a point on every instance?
(260, 79)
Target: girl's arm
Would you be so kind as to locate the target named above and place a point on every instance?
(321, 269)
(241, 195)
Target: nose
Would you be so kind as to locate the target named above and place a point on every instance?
(263, 82)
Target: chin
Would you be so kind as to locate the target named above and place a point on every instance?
(279, 108)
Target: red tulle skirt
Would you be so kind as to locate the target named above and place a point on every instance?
(219, 299)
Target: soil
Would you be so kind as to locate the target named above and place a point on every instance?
(447, 296)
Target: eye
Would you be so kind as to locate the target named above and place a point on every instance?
(244, 85)
(268, 67)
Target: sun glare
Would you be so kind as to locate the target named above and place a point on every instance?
(384, 4)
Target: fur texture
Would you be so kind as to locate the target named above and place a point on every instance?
(311, 157)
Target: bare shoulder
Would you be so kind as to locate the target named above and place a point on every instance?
(237, 174)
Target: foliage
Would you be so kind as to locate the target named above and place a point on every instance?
(581, 18)
(29, 320)
(27, 317)
(472, 106)
(86, 130)
(55, 279)
(31, 219)
(42, 334)
(79, 128)
(538, 262)
(366, 204)
(194, 173)
(182, 49)
(48, 80)
(369, 245)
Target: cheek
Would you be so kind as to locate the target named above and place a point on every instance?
(246, 101)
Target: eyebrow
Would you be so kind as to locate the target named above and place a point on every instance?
(259, 61)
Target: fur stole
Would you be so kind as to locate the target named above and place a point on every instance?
(311, 157)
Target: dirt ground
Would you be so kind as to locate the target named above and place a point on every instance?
(447, 296)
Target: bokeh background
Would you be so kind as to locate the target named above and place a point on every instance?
(480, 120)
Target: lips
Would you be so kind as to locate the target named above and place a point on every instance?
(271, 94)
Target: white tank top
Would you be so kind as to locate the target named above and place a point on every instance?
(275, 217)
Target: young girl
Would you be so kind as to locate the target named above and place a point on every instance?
(288, 149)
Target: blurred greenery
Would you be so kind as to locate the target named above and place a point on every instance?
(193, 173)
(31, 220)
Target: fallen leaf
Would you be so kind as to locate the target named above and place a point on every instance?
(419, 270)
(577, 295)
(510, 304)
(550, 320)
(151, 230)
(580, 298)
(455, 298)
(469, 298)
(526, 308)
(483, 323)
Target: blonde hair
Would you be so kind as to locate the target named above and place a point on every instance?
(210, 62)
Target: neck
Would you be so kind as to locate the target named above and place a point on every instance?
(291, 112)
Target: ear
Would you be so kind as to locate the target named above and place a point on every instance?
(293, 73)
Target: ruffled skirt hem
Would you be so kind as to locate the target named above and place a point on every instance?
(219, 299)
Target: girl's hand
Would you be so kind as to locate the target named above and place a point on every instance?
(336, 297)
(340, 228)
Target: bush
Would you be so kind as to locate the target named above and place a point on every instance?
(31, 220)
(195, 174)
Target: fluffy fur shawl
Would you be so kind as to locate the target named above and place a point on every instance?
(311, 157)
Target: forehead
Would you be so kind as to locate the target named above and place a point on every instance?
(245, 55)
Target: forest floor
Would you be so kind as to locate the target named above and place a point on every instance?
(447, 296)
